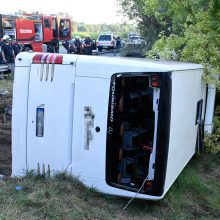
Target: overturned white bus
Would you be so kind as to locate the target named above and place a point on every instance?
(120, 125)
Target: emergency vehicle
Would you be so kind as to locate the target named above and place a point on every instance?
(34, 30)
(123, 126)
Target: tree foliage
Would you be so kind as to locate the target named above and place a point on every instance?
(95, 29)
(83, 29)
(151, 17)
(212, 141)
(191, 28)
(111, 28)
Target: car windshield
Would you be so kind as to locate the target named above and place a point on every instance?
(105, 38)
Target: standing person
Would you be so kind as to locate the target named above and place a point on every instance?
(8, 53)
(66, 44)
(118, 42)
(16, 47)
(78, 45)
(88, 46)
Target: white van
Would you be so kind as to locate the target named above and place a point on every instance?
(105, 41)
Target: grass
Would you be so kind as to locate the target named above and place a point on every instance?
(6, 83)
(194, 195)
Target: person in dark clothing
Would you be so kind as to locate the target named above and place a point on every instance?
(118, 42)
(88, 46)
(78, 45)
(66, 44)
(8, 53)
(16, 47)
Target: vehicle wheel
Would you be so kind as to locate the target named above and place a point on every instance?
(100, 49)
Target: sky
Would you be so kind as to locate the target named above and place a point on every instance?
(88, 11)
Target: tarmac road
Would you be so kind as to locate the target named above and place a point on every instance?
(103, 53)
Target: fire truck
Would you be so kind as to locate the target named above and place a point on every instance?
(35, 30)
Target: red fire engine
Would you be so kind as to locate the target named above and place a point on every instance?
(33, 31)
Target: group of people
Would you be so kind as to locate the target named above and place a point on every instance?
(8, 51)
(78, 46)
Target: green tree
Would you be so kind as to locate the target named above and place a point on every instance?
(191, 28)
(150, 16)
(96, 29)
(195, 36)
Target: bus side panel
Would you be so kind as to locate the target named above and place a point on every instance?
(188, 89)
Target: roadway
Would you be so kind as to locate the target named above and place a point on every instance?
(103, 53)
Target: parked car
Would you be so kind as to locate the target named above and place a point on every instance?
(136, 48)
(105, 41)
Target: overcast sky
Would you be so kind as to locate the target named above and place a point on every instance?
(88, 11)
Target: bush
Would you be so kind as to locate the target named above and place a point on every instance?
(212, 141)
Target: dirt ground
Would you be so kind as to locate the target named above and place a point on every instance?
(5, 128)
